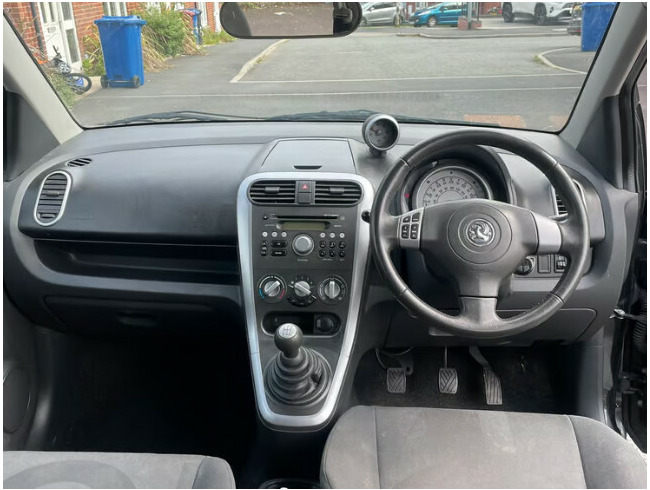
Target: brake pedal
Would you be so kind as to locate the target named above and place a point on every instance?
(396, 380)
(492, 383)
(447, 379)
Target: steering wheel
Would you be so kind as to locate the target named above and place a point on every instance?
(479, 243)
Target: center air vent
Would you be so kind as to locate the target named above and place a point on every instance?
(51, 198)
(273, 192)
(337, 193)
(79, 162)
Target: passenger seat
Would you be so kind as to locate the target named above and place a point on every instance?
(31, 469)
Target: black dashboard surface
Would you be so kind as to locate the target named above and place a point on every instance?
(152, 219)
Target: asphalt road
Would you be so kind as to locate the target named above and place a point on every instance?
(490, 80)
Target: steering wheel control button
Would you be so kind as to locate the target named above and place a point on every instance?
(303, 245)
(561, 263)
(272, 288)
(332, 290)
(526, 267)
(409, 229)
(301, 288)
(480, 232)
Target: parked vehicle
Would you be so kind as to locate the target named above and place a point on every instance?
(441, 13)
(377, 13)
(78, 82)
(575, 23)
(541, 12)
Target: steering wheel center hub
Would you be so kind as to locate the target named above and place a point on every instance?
(479, 234)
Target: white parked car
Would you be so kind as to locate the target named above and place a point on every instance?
(542, 12)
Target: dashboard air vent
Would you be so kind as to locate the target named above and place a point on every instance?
(79, 162)
(52, 197)
(561, 208)
(337, 193)
(273, 192)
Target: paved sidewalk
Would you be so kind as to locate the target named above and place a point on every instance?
(571, 58)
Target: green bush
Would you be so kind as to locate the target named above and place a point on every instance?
(62, 88)
(93, 62)
(168, 28)
(212, 37)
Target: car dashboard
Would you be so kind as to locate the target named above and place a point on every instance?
(149, 232)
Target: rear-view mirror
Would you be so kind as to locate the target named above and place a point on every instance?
(289, 19)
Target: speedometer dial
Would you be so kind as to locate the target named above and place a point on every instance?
(450, 184)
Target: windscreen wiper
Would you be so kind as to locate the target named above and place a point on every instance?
(179, 116)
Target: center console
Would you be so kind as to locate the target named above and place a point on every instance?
(303, 250)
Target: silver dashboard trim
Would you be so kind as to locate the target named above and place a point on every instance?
(362, 250)
(63, 202)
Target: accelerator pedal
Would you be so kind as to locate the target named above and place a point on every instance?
(447, 379)
(491, 381)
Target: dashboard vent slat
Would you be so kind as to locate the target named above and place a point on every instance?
(337, 193)
(561, 208)
(52, 197)
(79, 162)
(273, 192)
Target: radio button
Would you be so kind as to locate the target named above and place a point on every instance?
(332, 244)
(341, 235)
(278, 253)
(341, 244)
(322, 244)
(278, 243)
(332, 253)
(322, 253)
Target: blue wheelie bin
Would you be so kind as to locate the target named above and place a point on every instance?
(122, 47)
(595, 19)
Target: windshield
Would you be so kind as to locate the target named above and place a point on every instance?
(521, 65)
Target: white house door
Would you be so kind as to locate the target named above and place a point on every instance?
(59, 31)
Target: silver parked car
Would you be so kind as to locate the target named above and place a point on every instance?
(375, 13)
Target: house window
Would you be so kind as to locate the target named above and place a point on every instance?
(115, 9)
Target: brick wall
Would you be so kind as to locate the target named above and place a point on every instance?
(85, 13)
(20, 15)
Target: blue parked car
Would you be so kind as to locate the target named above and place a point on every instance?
(440, 13)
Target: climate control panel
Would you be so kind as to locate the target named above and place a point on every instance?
(302, 290)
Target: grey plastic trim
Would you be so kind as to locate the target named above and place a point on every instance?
(362, 247)
(63, 203)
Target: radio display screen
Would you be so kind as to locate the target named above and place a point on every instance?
(304, 225)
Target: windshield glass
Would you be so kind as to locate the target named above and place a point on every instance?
(519, 65)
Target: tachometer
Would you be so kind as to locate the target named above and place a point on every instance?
(450, 183)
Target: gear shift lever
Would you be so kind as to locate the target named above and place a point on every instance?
(297, 375)
(288, 339)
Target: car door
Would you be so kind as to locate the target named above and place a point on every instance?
(384, 12)
(445, 12)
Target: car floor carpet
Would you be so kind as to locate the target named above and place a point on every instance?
(530, 377)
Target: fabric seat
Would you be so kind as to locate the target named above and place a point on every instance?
(382, 447)
(31, 469)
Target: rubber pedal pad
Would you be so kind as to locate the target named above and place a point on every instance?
(396, 380)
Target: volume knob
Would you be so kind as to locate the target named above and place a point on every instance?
(303, 245)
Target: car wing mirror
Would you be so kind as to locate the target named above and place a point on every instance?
(284, 20)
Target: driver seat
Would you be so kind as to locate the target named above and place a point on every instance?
(386, 447)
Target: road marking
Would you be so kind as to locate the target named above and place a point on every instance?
(248, 66)
(391, 92)
(543, 59)
(404, 79)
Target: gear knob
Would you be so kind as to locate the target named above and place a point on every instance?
(288, 339)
